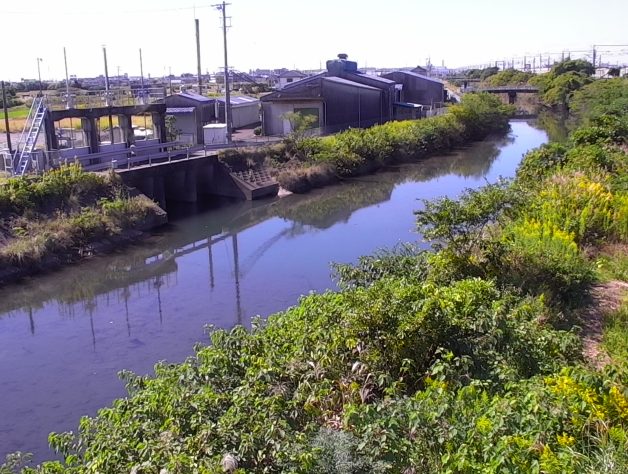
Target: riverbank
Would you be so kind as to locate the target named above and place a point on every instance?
(66, 215)
(303, 163)
(457, 360)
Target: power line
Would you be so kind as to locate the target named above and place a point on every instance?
(99, 13)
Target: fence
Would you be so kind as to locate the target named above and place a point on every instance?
(114, 97)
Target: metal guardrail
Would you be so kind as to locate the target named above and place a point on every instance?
(112, 98)
(128, 158)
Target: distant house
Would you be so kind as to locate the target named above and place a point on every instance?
(244, 110)
(419, 70)
(290, 77)
(191, 112)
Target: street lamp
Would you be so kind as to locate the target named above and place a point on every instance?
(41, 92)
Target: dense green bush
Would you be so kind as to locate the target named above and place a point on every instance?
(509, 77)
(599, 99)
(68, 187)
(562, 81)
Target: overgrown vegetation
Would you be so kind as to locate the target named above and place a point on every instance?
(509, 77)
(566, 77)
(304, 162)
(59, 214)
(466, 359)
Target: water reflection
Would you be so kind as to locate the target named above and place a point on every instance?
(144, 269)
(64, 336)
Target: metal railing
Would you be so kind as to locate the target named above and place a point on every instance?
(112, 98)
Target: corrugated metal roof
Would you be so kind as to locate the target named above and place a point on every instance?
(302, 82)
(380, 79)
(239, 100)
(420, 76)
(194, 96)
(347, 82)
(179, 110)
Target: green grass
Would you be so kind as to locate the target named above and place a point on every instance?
(615, 338)
(19, 112)
(612, 264)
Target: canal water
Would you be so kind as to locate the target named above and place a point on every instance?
(64, 336)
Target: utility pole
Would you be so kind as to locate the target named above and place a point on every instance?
(198, 57)
(594, 54)
(104, 52)
(41, 92)
(67, 80)
(142, 75)
(222, 7)
(5, 106)
(107, 101)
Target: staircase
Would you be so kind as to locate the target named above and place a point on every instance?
(255, 182)
(7, 161)
(28, 139)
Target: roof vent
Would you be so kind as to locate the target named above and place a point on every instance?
(343, 56)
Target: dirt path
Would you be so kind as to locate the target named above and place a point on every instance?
(605, 299)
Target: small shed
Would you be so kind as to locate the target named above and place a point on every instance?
(245, 110)
(191, 111)
(215, 134)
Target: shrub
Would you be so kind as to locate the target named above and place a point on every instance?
(541, 258)
(582, 206)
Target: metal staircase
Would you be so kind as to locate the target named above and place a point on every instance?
(28, 139)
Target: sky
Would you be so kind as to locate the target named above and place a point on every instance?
(296, 33)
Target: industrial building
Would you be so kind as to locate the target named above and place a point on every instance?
(343, 97)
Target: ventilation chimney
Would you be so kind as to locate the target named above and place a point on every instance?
(337, 67)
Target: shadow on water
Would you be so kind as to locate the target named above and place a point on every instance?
(65, 335)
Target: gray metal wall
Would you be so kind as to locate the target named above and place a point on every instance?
(348, 106)
(418, 90)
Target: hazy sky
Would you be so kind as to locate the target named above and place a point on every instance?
(295, 33)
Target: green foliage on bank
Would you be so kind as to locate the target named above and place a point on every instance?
(304, 162)
(601, 98)
(463, 360)
(58, 214)
(509, 77)
(313, 161)
(565, 77)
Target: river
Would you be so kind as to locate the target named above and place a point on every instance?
(64, 336)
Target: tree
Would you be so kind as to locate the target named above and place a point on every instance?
(300, 126)
(11, 100)
(172, 132)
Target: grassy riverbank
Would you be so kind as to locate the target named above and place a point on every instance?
(63, 215)
(469, 358)
(302, 163)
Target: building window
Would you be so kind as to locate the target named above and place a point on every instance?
(289, 79)
(311, 111)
